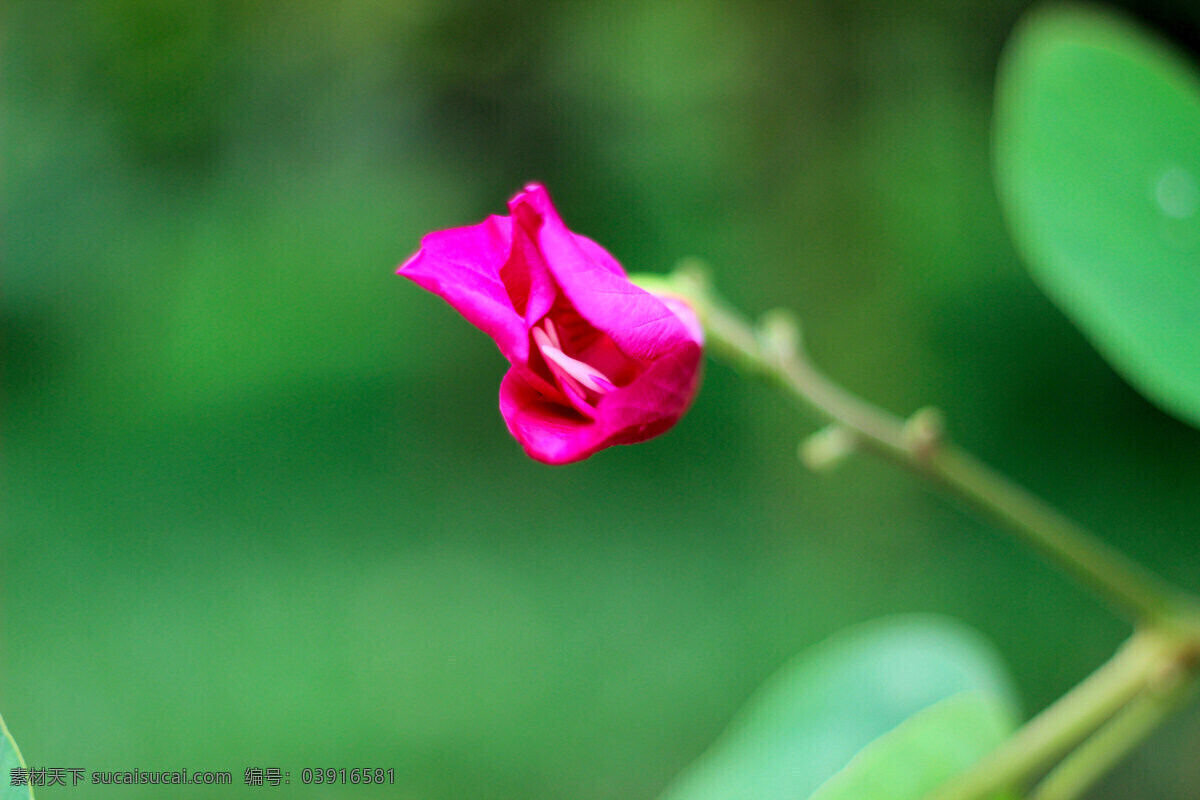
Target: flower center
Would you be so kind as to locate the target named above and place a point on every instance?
(574, 376)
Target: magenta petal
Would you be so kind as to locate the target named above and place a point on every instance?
(686, 316)
(640, 324)
(462, 266)
(555, 434)
(550, 432)
(613, 364)
(527, 278)
(598, 255)
(655, 400)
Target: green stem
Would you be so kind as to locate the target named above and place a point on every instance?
(1056, 731)
(1091, 760)
(1134, 590)
(774, 352)
(1167, 638)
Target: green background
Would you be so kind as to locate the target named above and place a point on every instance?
(260, 508)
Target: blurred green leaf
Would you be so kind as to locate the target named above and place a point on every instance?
(10, 759)
(1097, 159)
(816, 713)
(924, 751)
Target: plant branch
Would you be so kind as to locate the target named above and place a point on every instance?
(1114, 707)
(1092, 759)
(773, 351)
(1058, 729)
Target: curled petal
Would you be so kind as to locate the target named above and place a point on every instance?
(462, 266)
(638, 322)
(550, 432)
(596, 361)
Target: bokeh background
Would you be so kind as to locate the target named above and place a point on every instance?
(260, 508)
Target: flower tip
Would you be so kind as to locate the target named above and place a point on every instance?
(408, 261)
(683, 310)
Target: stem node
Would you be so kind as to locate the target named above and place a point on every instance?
(779, 333)
(1093, 725)
(924, 432)
(828, 448)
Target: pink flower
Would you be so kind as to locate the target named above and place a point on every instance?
(596, 361)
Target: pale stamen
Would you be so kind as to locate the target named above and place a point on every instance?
(566, 368)
(566, 382)
(552, 332)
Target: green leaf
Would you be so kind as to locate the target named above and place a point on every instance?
(926, 750)
(1097, 161)
(821, 709)
(10, 759)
